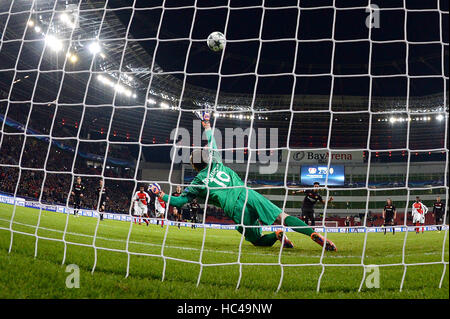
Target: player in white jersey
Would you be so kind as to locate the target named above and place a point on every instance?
(160, 209)
(141, 199)
(419, 210)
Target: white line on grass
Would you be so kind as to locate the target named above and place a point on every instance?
(197, 249)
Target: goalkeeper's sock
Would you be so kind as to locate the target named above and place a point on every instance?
(292, 221)
(266, 240)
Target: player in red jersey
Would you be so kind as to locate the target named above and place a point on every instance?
(141, 198)
(419, 210)
(160, 209)
(175, 211)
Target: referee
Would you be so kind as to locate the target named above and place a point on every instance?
(311, 198)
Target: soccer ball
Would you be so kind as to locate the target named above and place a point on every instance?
(216, 41)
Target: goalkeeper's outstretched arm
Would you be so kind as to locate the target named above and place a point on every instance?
(211, 141)
(192, 191)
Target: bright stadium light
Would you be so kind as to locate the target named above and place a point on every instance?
(66, 19)
(151, 101)
(53, 43)
(127, 93)
(37, 29)
(72, 57)
(440, 117)
(94, 48)
(164, 105)
(392, 119)
(30, 23)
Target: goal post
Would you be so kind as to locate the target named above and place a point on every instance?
(96, 63)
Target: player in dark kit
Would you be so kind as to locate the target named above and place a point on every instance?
(389, 215)
(77, 193)
(347, 224)
(438, 212)
(194, 209)
(101, 195)
(311, 198)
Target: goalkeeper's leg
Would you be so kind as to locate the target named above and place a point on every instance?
(300, 226)
(268, 213)
(255, 236)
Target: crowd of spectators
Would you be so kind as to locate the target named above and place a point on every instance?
(55, 182)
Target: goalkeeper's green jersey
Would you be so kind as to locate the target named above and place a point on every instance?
(225, 186)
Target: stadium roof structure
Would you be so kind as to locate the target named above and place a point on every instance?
(83, 83)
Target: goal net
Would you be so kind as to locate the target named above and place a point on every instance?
(353, 94)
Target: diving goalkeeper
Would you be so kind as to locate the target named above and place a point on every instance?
(227, 190)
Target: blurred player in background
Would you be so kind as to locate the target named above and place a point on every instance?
(160, 209)
(194, 209)
(389, 215)
(101, 195)
(225, 189)
(438, 212)
(141, 199)
(419, 210)
(311, 198)
(77, 193)
(177, 213)
(347, 224)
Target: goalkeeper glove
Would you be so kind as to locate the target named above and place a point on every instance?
(204, 117)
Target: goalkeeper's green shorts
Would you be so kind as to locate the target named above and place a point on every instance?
(258, 208)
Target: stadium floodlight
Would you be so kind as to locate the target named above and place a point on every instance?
(94, 47)
(72, 57)
(151, 101)
(127, 92)
(65, 18)
(440, 117)
(53, 43)
(119, 88)
(392, 119)
(37, 29)
(30, 23)
(164, 105)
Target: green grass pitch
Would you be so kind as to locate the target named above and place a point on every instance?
(23, 276)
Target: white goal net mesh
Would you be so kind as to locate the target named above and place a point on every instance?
(94, 65)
